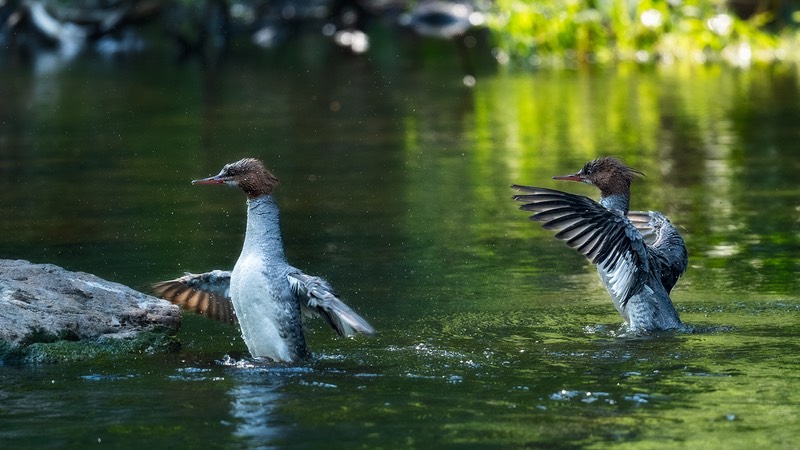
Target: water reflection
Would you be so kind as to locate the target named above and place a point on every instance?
(395, 186)
(253, 407)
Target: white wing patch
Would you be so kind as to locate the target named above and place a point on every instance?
(622, 276)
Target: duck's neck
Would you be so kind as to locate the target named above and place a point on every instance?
(616, 202)
(263, 228)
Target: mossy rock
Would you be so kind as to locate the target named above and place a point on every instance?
(50, 314)
(46, 348)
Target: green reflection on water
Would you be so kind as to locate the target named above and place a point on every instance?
(395, 186)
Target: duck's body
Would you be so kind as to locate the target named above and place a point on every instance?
(263, 293)
(639, 255)
(268, 312)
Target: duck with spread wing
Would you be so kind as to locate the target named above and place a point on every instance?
(265, 295)
(639, 255)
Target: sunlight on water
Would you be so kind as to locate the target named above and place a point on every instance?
(491, 333)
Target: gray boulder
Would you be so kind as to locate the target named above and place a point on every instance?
(50, 313)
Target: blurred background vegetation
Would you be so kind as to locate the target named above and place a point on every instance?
(517, 33)
(739, 32)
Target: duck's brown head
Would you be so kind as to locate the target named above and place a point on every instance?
(248, 174)
(608, 174)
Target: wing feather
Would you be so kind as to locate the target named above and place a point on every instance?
(608, 239)
(319, 298)
(206, 293)
(667, 248)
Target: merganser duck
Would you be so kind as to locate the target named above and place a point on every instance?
(639, 255)
(263, 293)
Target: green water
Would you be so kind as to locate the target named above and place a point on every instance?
(395, 187)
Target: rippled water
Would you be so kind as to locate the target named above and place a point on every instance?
(395, 187)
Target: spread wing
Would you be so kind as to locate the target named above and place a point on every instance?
(606, 238)
(318, 298)
(667, 248)
(206, 293)
(209, 294)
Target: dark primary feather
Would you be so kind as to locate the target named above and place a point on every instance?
(607, 238)
(209, 294)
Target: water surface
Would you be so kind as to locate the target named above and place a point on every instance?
(395, 187)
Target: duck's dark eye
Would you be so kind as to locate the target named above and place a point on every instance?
(587, 169)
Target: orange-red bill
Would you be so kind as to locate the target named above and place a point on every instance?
(573, 177)
(210, 180)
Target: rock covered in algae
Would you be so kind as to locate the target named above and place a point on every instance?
(48, 313)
